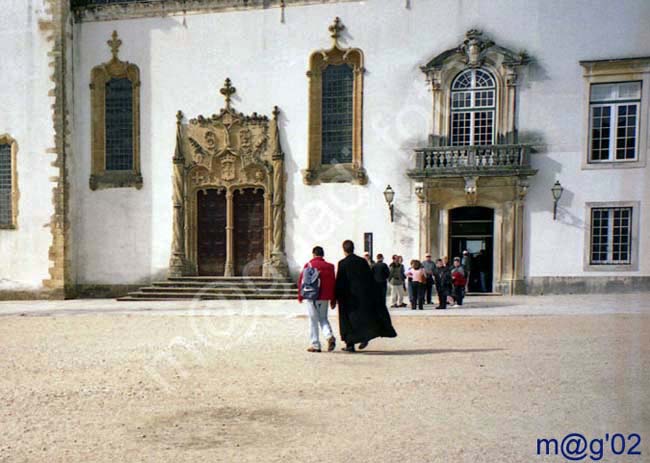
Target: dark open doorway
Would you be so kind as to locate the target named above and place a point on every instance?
(472, 229)
(211, 232)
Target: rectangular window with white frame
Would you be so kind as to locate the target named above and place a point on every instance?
(612, 236)
(614, 110)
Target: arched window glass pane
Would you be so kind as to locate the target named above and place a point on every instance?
(6, 215)
(119, 124)
(483, 79)
(464, 80)
(338, 82)
(473, 107)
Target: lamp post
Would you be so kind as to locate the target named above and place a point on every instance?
(557, 194)
(389, 196)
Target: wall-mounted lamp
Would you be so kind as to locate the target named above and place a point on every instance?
(389, 196)
(557, 194)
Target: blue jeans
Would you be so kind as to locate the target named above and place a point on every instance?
(318, 319)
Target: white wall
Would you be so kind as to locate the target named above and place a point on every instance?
(123, 235)
(25, 114)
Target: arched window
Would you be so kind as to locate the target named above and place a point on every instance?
(115, 135)
(8, 183)
(335, 147)
(473, 108)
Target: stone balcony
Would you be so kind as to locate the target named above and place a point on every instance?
(472, 161)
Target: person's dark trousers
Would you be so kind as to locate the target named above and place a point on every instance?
(410, 286)
(429, 289)
(459, 292)
(442, 299)
(383, 290)
(417, 300)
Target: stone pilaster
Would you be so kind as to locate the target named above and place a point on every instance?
(178, 260)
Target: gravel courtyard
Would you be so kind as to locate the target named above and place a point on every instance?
(82, 381)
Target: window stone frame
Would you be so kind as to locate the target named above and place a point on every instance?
(635, 240)
(617, 71)
(476, 52)
(100, 178)
(317, 172)
(6, 139)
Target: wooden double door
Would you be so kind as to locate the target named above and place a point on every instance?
(245, 255)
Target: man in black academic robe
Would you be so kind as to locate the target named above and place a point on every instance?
(362, 307)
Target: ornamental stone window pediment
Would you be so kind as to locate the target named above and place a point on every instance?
(335, 146)
(115, 116)
(475, 52)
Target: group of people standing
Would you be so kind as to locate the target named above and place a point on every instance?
(359, 288)
(354, 288)
(419, 280)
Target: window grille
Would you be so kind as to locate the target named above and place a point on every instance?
(611, 237)
(6, 187)
(119, 124)
(614, 121)
(473, 105)
(337, 114)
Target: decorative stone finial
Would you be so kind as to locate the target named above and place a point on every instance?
(473, 47)
(335, 30)
(276, 112)
(115, 44)
(228, 91)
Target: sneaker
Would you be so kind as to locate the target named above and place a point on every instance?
(313, 349)
(455, 305)
(331, 344)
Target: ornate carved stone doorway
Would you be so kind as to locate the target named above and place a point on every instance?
(235, 161)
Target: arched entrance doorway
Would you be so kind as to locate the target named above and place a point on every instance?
(228, 195)
(471, 229)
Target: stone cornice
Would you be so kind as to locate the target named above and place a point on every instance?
(157, 8)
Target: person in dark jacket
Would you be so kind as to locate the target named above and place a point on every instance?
(381, 272)
(362, 311)
(429, 266)
(443, 283)
(396, 279)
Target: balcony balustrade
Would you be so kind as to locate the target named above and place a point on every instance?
(480, 160)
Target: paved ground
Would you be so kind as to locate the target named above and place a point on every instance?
(103, 381)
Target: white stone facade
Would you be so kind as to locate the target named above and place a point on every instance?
(122, 236)
(26, 116)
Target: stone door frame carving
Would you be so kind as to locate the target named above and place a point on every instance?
(228, 151)
(506, 196)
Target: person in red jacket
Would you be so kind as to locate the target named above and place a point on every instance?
(318, 307)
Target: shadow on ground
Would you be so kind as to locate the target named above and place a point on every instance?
(423, 351)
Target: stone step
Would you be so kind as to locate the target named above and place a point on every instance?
(235, 280)
(225, 290)
(215, 288)
(224, 284)
(167, 296)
